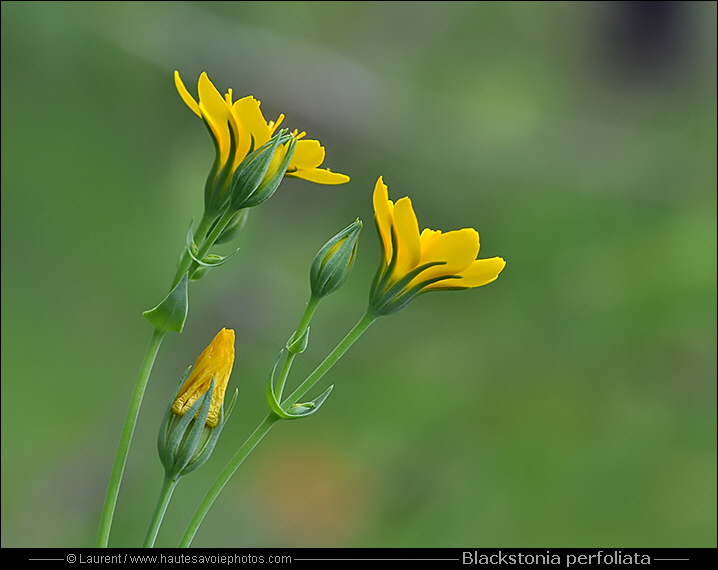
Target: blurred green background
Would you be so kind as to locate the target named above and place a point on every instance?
(570, 403)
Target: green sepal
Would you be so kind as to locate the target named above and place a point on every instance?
(216, 192)
(385, 300)
(185, 449)
(296, 411)
(268, 186)
(180, 445)
(171, 313)
(269, 389)
(299, 344)
(180, 452)
(200, 457)
(209, 260)
(164, 433)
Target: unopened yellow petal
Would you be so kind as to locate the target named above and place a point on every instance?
(216, 362)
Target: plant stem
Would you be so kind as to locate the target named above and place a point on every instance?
(168, 487)
(225, 476)
(207, 244)
(199, 235)
(186, 264)
(307, 316)
(303, 325)
(268, 423)
(352, 336)
(123, 448)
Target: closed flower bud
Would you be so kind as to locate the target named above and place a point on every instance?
(215, 362)
(195, 418)
(333, 263)
(260, 174)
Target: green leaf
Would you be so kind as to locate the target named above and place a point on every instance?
(302, 410)
(171, 313)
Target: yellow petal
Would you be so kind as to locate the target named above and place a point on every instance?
(458, 249)
(217, 113)
(247, 112)
(427, 236)
(210, 101)
(186, 97)
(308, 154)
(480, 272)
(383, 212)
(408, 242)
(320, 176)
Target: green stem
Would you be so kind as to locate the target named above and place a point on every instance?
(186, 264)
(307, 316)
(268, 423)
(352, 336)
(186, 261)
(207, 244)
(225, 476)
(168, 487)
(303, 325)
(123, 448)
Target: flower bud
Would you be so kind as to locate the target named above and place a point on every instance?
(260, 173)
(214, 363)
(333, 263)
(195, 418)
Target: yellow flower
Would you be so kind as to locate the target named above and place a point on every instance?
(216, 361)
(238, 128)
(414, 263)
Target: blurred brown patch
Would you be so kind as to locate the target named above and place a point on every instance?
(309, 497)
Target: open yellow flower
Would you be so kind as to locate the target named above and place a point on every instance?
(239, 127)
(414, 262)
(216, 361)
